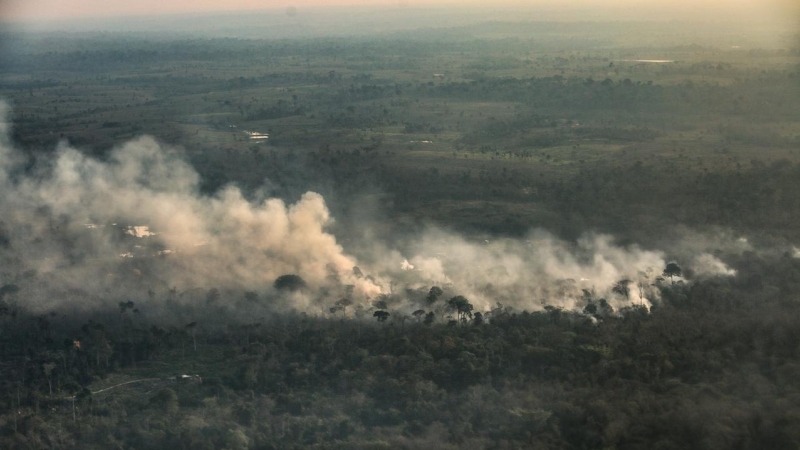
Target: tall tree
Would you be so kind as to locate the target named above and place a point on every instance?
(672, 270)
(461, 306)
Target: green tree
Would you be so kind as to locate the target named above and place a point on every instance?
(165, 400)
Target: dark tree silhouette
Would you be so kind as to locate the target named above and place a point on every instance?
(621, 288)
(381, 315)
(434, 294)
(343, 304)
(461, 306)
(289, 282)
(605, 309)
(672, 270)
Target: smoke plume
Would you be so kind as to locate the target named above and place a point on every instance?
(87, 222)
(78, 232)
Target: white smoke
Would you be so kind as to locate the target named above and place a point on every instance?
(137, 222)
(534, 272)
(709, 265)
(213, 241)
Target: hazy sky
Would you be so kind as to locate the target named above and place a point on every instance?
(15, 10)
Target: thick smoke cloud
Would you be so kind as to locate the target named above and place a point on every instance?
(82, 221)
(531, 273)
(78, 232)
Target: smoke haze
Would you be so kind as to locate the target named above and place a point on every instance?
(73, 214)
(259, 19)
(79, 232)
(47, 8)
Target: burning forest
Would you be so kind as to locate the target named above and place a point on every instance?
(530, 225)
(69, 246)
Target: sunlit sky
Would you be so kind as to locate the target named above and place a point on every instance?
(25, 10)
